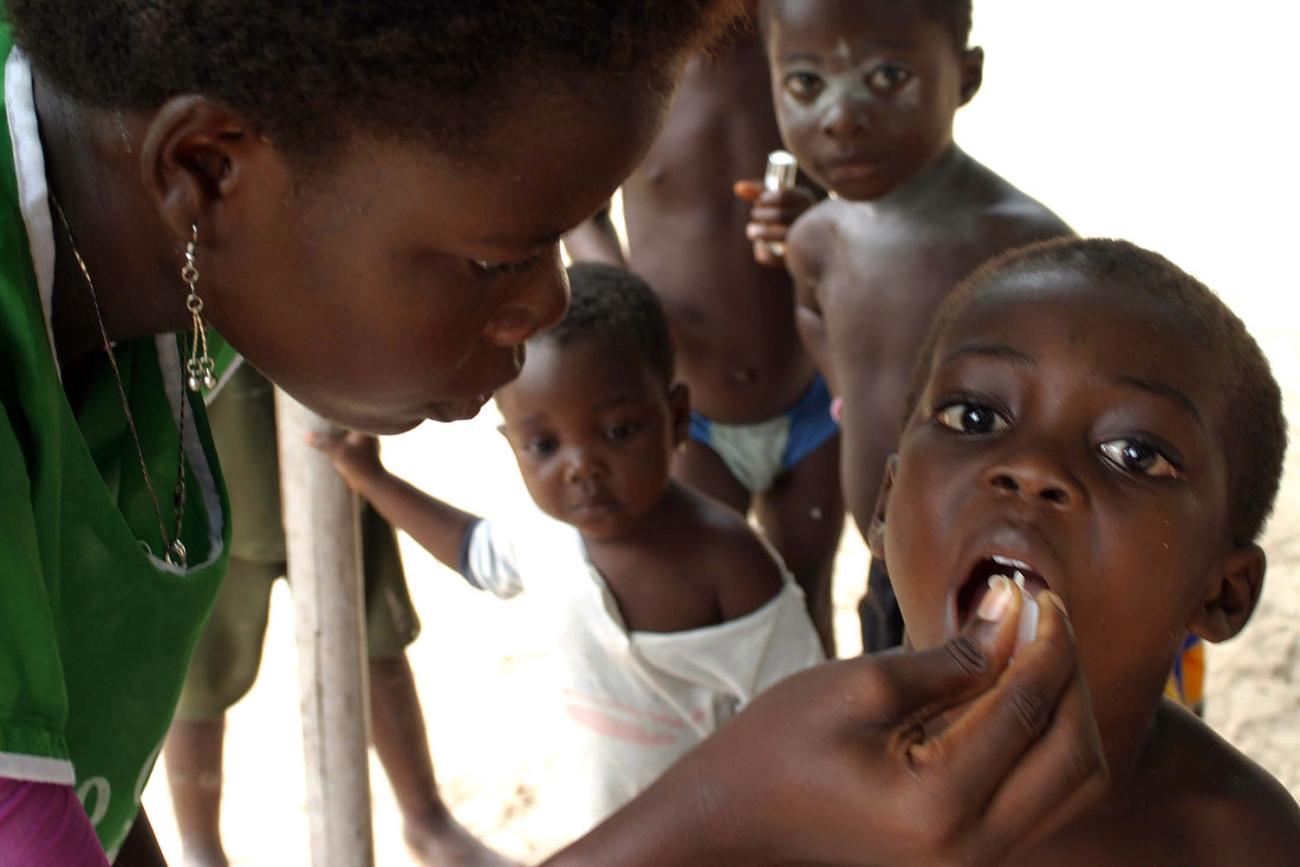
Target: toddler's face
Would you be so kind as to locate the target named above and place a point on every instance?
(593, 434)
(1068, 431)
(865, 90)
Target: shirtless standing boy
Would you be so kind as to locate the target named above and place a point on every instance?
(865, 93)
(761, 434)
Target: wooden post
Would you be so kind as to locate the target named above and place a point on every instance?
(324, 554)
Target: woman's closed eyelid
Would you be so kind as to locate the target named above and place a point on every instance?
(506, 267)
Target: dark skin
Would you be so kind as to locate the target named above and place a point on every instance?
(131, 204)
(1078, 428)
(866, 93)
(594, 435)
(390, 249)
(732, 319)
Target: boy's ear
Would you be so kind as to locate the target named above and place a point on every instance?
(679, 404)
(876, 531)
(972, 73)
(1233, 596)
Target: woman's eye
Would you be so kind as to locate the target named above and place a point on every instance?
(620, 432)
(541, 447)
(971, 418)
(1136, 456)
(888, 78)
(498, 268)
(803, 85)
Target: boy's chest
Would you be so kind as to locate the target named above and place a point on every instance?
(1144, 832)
(655, 594)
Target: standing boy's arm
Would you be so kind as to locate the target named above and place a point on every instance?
(439, 527)
(805, 258)
(596, 240)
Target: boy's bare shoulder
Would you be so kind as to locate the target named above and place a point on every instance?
(1234, 810)
(1011, 217)
(813, 236)
(747, 573)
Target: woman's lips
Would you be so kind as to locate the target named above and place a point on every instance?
(456, 409)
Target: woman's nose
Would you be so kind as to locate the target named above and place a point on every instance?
(538, 300)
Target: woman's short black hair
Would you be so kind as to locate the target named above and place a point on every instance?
(305, 72)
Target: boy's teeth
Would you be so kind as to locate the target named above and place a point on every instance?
(1008, 561)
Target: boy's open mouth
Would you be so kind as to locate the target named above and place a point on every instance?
(976, 585)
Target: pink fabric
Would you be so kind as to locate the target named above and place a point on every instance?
(43, 824)
(837, 410)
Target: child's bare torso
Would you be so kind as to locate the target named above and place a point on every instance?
(691, 564)
(732, 318)
(1190, 800)
(870, 277)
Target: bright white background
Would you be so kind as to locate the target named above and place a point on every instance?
(1168, 122)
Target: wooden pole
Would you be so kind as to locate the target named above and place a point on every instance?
(324, 554)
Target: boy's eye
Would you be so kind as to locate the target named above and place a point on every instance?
(541, 446)
(1136, 456)
(971, 418)
(498, 268)
(888, 78)
(803, 85)
(622, 431)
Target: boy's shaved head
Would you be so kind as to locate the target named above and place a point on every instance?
(1253, 427)
(614, 306)
(955, 15)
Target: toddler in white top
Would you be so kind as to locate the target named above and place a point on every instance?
(670, 612)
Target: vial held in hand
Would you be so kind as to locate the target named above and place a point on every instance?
(782, 172)
(1027, 629)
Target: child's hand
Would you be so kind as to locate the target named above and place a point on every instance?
(354, 455)
(771, 218)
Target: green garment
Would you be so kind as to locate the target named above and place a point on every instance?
(95, 633)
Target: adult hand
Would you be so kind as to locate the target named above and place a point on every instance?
(354, 455)
(771, 217)
(844, 764)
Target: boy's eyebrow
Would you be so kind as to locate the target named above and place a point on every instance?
(616, 399)
(1163, 390)
(870, 45)
(991, 350)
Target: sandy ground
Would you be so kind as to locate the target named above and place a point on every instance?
(1167, 122)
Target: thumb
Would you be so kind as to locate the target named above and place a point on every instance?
(930, 681)
(748, 190)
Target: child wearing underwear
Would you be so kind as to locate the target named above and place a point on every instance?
(1090, 418)
(760, 438)
(669, 613)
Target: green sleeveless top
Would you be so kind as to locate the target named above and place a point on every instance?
(95, 631)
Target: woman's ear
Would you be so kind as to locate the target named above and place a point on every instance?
(1233, 594)
(972, 73)
(194, 157)
(679, 404)
(876, 531)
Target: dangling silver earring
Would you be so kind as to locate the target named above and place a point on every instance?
(201, 368)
